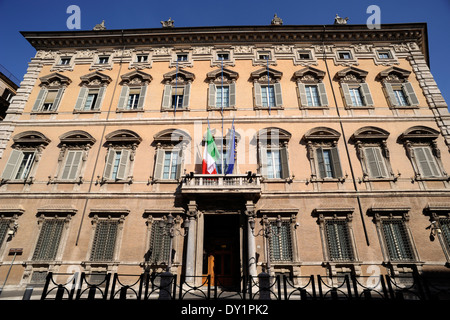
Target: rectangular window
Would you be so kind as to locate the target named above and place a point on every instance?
(141, 58)
(338, 240)
(4, 227)
(48, 241)
(49, 100)
(384, 55)
(281, 242)
(375, 162)
(264, 55)
(426, 162)
(25, 165)
(268, 96)
(116, 162)
(159, 244)
(345, 55)
(103, 59)
(273, 163)
(223, 96)
(177, 97)
(64, 61)
(328, 163)
(304, 55)
(104, 240)
(355, 95)
(182, 57)
(170, 164)
(133, 98)
(445, 229)
(90, 101)
(397, 240)
(223, 56)
(312, 95)
(400, 97)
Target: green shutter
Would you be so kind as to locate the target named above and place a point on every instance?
(186, 95)
(79, 105)
(101, 94)
(109, 163)
(232, 91)
(123, 98)
(15, 158)
(346, 93)
(49, 239)
(411, 95)
(397, 240)
(159, 244)
(322, 94)
(321, 163)
(302, 95)
(366, 95)
(142, 97)
(390, 93)
(336, 163)
(104, 241)
(284, 162)
(338, 239)
(159, 162)
(278, 95)
(212, 96)
(257, 94)
(40, 99)
(167, 97)
(123, 164)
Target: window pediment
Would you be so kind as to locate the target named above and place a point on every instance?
(123, 137)
(77, 137)
(309, 74)
(273, 134)
(172, 136)
(322, 134)
(95, 79)
(394, 75)
(136, 77)
(419, 132)
(370, 132)
(351, 75)
(180, 77)
(215, 76)
(31, 138)
(55, 80)
(264, 75)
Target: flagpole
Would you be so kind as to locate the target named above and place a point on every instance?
(268, 84)
(176, 90)
(221, 151)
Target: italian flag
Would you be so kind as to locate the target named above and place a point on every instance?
(210, 155)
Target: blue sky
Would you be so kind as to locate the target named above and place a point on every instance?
(45, 15)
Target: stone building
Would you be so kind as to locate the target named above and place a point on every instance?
(341, 153)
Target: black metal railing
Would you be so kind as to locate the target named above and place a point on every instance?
(166, 286)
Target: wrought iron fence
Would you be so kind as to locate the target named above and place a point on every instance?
(166, 286)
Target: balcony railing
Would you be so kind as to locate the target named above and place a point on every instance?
(220, 182)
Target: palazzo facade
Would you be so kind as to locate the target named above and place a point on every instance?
(341, 153)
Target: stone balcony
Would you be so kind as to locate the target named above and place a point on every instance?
(222, 184)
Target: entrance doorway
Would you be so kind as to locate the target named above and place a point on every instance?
(221, 255)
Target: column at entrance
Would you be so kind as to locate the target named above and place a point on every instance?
(250, 212)
(191, 242)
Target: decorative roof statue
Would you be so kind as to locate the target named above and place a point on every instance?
(277, 20)
(100, 26)
(167, 24)
(339, 20)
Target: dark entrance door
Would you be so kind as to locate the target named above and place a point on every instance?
(221, 249)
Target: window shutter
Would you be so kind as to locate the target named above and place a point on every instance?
(48, 241)
(371, 162)
(232, 92)
(278, 95)
(263, 160)
(166, 97)
(212, 96)
(57, 99)
(336, 163)
(302, 95)
(68, 165)
(322, 94)
(109, 163)
(142, 97)
(104, 241)
(339, 243)
(391, 95)
(396, 239)
(159, 162)
(180, 160)
(123, 164)
(72, 164)
(258, 99)
(284, 162)
(123, 98)
(40, 99)
(346, 93)
(186, 95)
(79, 105)
(426, 162)
(159, 244)
(366, 93)
(412, 98)
(14, 160)
(101, 94)
(321, 163)
(381, 162)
